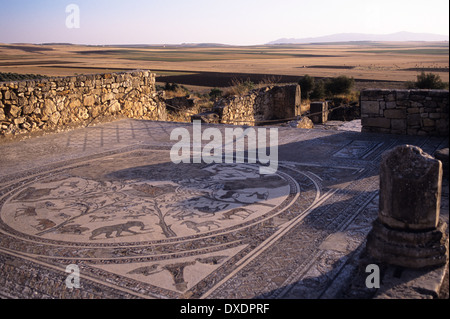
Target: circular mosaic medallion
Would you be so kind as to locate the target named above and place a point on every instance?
(116, 201)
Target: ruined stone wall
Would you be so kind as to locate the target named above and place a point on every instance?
(51, 103)
(275, 102)
(409, 112)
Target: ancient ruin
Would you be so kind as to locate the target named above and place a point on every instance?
(319, 111)
(50, 103)
(107, 198)
(268, 103)
(408, 231)
(411, 112)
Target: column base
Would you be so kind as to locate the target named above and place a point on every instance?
(410, 249)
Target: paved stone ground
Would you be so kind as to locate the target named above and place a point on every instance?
(108, 199)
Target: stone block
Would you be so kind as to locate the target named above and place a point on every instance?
(15, 111)
(370, 107)
(402, 94)
(413, 110)
(304, 122)
(391, 105)
(376, 122)
(7, 95)
(319, 111)
(395, 114)
(412, 250)
(89, 100)
(426, 122)
(442, 126)
(19, 120)
(434, 115)
(398, 124)
(49, 107)
(107, 97)
(442, 155)
(54, 118)
(413, 119)
(412, 131)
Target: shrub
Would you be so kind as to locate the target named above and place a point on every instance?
(215, 93)
(240, 87)
(318, 91)
(339, 85)
(306, 85)
(271, 80)
(428, 81)
(171, 87)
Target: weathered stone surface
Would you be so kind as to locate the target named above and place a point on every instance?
(395, 114)
(431, 106)
(410, 188)
(370, 107)
(408, 249)
(376, 122)
(322, 109)
(304, 122)
(398, 124)
(89, 100)
(15, 111)
(49, 107)
(273, 102)
(60, 101)
(442, 155)
(408, 231)
(54, 118)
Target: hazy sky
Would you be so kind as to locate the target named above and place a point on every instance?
(240, 22)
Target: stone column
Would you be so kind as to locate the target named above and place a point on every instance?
(408, 231)
(319, 107)
(442, 155)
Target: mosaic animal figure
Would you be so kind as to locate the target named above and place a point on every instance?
(196, 226)
(263, 196)
(44, 224)
(26, 211)
(101, 218)
(118, 229)
(146, 270)
(75, 229)
(240, 212)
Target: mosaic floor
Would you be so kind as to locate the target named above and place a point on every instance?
(109, 200)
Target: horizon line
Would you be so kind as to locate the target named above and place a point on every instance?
(223, 44)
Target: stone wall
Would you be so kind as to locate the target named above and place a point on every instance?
(51, 103)
(269, 103)
(409, 112)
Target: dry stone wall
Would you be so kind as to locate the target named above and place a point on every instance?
(51, 103)
(269, 103)
(409, 112)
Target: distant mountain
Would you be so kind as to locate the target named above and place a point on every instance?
(349, 37)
